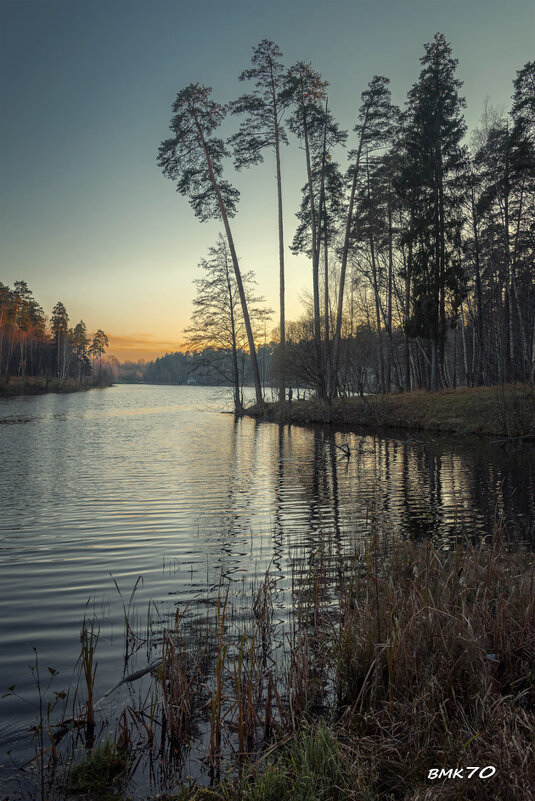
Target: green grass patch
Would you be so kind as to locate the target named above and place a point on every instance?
(100, 776)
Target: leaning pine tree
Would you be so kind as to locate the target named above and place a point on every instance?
(192, 157)
(262, 128)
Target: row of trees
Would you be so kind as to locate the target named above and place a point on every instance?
(423, 241)
(210, 366)
(30, 346)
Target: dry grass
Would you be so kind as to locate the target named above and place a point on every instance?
(505, 411)
(421, 659)
(37, 385)
(450, 681)
(393, 662)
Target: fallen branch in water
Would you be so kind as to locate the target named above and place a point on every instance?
(77, 722)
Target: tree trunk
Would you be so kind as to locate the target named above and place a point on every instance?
(465, 355)
(282, 376)
(235, 264)
(433, 377)
(315, 275)
(345, 254)
(478, 367)
(238, 408)
(389, 297)
(375, 284)
(407, 313)
(327, 360)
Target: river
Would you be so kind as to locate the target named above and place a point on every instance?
(155, 481)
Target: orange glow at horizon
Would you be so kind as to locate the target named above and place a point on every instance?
(137, 347)
(147, 347)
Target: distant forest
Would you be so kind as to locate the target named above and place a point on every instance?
(209, 367)
(421, 246)
(46, 355)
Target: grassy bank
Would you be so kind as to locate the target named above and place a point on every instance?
(422, 661)
(505, 411)
(394, 661)
(40, 386)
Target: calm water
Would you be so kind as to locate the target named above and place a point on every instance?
(155, 482)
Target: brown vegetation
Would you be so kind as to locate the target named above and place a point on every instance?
(505, 411)
(40, 386)
(393, 661)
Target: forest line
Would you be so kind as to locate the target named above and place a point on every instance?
(40, 355)
(421, 249)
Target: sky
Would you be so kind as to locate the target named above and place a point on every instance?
(86, 88)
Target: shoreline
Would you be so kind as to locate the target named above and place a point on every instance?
(501, 411)
(38, 386)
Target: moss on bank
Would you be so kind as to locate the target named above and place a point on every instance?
(40, 386)
(504, 411)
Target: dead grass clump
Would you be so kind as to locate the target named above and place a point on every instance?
(449, 681)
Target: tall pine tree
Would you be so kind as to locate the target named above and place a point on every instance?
(193, 158)
(262, 128)
(431, 181)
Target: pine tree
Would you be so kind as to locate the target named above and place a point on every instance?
(60, 323)
(193, 158)
(262, 128)
(80, 340)
(505, 165)
(524, 98)
(318, 133)
(98, 347)
(432, 183)
(374, 129)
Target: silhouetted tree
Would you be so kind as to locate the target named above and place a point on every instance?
(98, 348)
(60, 325)
(433, 181)
(524, 97)
(193, 158)
(318, 133)
(81, 342)
(262, 128)
(374, 129)
(217, 324)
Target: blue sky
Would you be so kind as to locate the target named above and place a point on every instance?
(85, 96)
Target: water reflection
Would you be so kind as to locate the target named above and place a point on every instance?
(154, 481)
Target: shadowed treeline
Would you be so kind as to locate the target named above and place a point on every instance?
(421, 246)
